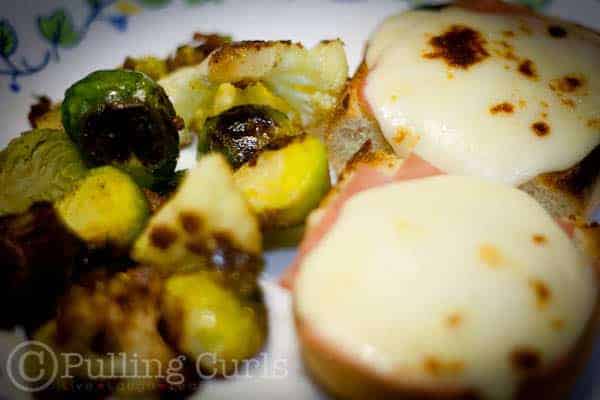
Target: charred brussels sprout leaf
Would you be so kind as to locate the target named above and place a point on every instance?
(123, 118)
(39, 165)
(241, 132)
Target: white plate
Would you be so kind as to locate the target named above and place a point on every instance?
(140, 27)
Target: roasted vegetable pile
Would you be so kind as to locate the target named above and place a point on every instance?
(107, 249)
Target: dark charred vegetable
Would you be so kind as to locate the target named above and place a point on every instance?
(242, 131)
(111, 317)
(125, 119)
(34, 272)
(39, 165)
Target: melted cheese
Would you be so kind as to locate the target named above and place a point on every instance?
(447, 282)
(458, 118)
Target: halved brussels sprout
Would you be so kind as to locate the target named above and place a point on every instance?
(123, 118)
(39, 165)
(241, 132)
(205, 224)
(106, 208)
(284, 185)
(210, 323)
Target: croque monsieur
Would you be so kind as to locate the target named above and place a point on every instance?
(455, 258)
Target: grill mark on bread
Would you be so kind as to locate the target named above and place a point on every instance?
(460, 47)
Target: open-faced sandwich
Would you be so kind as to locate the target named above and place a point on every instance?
(455, 258)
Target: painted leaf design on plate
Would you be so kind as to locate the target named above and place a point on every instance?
(8, 39)
(58, 28)
(154, 3)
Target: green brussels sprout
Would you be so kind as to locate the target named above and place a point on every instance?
(107, 207)
(123, 118)
(39, 165)
(210, 323)
(242, 131)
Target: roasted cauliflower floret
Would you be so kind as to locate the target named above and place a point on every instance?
(307, 81)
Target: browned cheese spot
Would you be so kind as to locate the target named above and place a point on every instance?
(539, 239)
(541, 128)
(567, 84)
(557, 32)
(568, 102)
(454, 320)
(436, 367)
(162, 237)
(542, 292)
(490, 255)
(505, 107)
(460, 47)
(522, 103)
(527, 68)
(190, 222)
(525, 360)
(557, 324)
(594, 123)
(544, 104)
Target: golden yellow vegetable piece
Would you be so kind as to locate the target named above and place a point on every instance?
(284, 185)
(206, 215)
(106, 208)
(207, 321)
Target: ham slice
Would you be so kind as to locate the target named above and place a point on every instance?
(364, 177)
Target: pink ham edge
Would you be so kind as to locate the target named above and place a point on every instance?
(364, 177)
